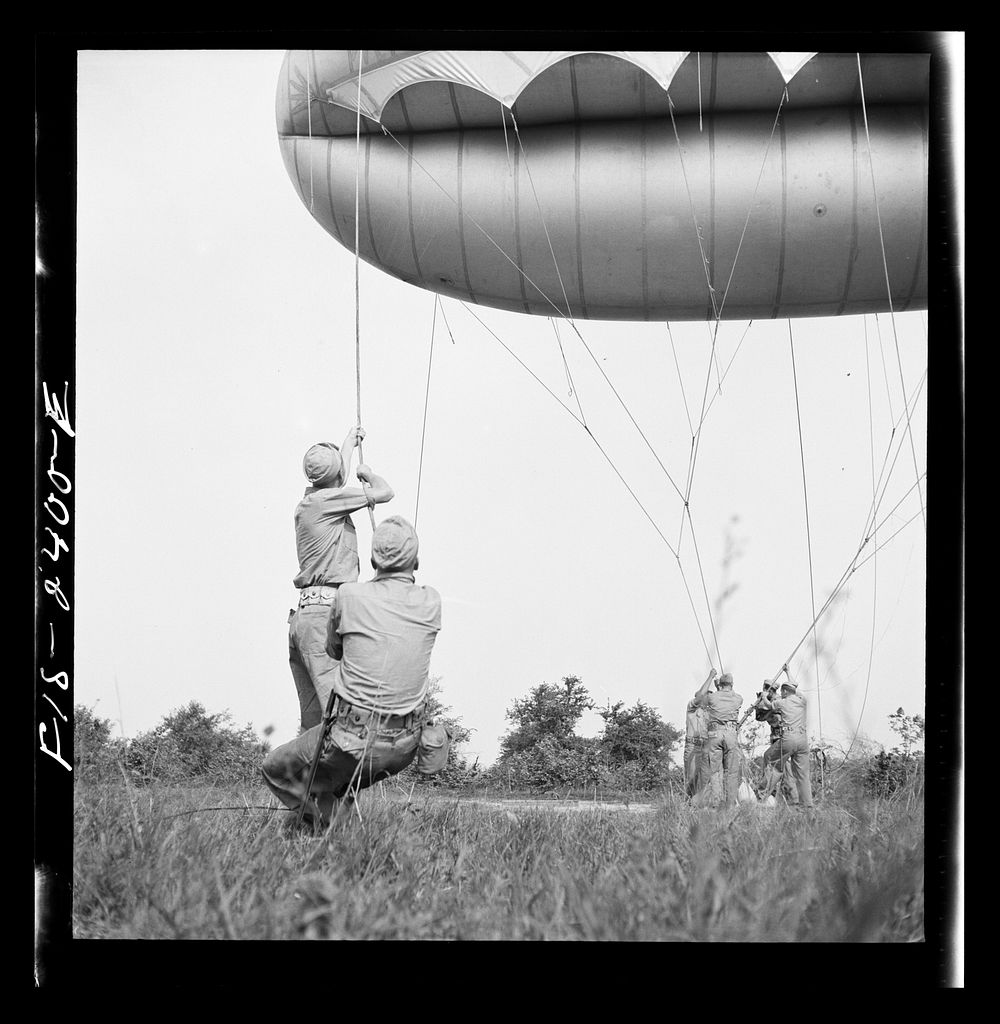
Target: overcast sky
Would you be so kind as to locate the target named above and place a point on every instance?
(216, 343)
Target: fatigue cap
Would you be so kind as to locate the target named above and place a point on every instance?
(394, 545)
(789, 685)
(322, 464)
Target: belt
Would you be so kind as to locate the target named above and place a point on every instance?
(318, 595)
(720, 727)
(352, 715)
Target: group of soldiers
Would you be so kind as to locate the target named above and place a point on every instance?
(359, 651)
(711, 743)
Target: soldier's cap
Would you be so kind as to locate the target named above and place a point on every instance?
(394, 545)
(789, 685)
(726, 677)
(322, 464)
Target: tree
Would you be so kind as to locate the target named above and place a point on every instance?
(95, 751)
(550, 710)
(885, 773)
(541, 750)
(909, 728)
(637, 745)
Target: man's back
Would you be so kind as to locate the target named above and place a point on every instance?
(387, 627)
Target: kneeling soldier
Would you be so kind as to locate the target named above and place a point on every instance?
(380, 634)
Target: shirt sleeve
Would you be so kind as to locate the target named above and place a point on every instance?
(339, 501)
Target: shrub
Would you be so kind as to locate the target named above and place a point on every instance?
(885, 773)
(190, 744)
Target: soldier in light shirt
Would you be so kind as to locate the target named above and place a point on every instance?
(327, 549)
(792, 742)
(380, 637)
(696, 733)
(723, 713)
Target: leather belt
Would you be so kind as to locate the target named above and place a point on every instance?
(351, 715)
(318, 595)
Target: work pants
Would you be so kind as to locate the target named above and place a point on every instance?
(693, 750)
(353, 758)
(692, 753)
(721, 745)
(776, 782)
(312, 668)
(793, 749)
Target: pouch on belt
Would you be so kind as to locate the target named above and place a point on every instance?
(432, 750)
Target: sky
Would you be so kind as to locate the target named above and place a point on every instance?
(216, 343)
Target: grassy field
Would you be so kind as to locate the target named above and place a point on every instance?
(439, 867)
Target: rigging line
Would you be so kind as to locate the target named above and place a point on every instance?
(427, 395)
(444, 317)
(871, 648)
(885, 371)
(699, 91)
(680, 380)
(357, 283)
(713, 330)
(873, 510)
(576, 331)
(629, 489)
(732, 271)
(568, 317)
(892, 511)
(725, 372)
(886, 541)
(628, 412)
(309, 114)
(569, 376)
(506, 144)
(704, 588)
(694, 611)
(888, 287)
(760, 175)
(523, 364)
(585, 427)
(852, 567)
(694, 217)
(701, 420)
(680, 531)
(538, 206)
(805, 496)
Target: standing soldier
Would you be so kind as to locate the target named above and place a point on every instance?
(723, 711)
(696, 734)
(327, 548)
(771, 717)
(792, 744)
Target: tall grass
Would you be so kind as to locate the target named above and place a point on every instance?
(441, 868)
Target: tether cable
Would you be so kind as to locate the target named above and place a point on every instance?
(871, 448)
(885, 267)
(587, 429)
(357, 283)
(805, 498)
(427, 395)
